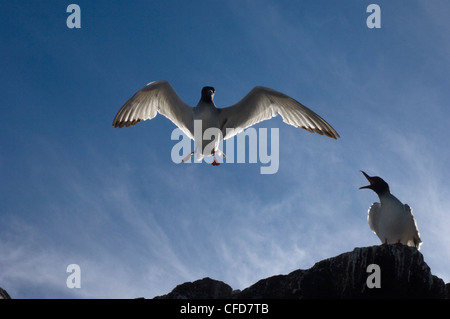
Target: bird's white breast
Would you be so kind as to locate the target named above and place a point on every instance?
(393, 221)
(208, 115)
(206, 127)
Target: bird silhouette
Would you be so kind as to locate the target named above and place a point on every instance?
(258, 105)
(391, 220)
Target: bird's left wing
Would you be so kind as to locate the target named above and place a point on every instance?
(262, 104)
(416, 242)
(156, 97)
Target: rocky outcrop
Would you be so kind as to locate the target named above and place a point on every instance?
(205, 288)
(4, 294)
(385, 271)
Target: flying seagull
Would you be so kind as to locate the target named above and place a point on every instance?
(258, 105)
(393, 222)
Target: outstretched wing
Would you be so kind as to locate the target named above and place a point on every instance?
(156, 97)
(262, 104)
(416, 241)
(373, 217)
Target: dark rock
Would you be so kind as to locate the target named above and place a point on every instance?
(205, 288)
(275, 287)
(4, 294)
(403, 273)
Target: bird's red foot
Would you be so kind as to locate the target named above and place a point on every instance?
(215, 163)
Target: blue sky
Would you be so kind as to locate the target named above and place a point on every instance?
(74, 190)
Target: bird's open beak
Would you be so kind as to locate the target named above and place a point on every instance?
(369, 179)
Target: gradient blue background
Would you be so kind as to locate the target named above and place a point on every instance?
(75, 190)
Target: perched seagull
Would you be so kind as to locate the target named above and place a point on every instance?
(258, 105)
(392, 221)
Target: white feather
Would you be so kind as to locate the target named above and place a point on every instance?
(262, 104)
(258, 105)
(156, 97)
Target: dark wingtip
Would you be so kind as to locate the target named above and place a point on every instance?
(126, 124)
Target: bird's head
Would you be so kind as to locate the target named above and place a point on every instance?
(208, 94)
(377, 184)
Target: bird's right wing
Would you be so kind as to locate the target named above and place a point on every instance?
(261, 104)
(156, 97)
(373, 217)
